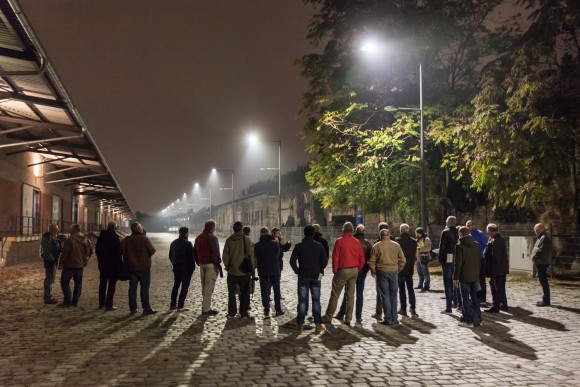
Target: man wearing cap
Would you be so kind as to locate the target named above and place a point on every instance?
(423, 258)
(542, 257)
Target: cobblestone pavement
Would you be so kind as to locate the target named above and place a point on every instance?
(46, 345)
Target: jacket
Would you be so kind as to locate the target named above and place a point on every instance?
(318, 238)
(347, 253)
(206, 249)
(76, 252)
(387, 255)
(50, 247)
(424, 249)
(234, 253)
(267, 255)
(467, 260)
(137, 252)
(542, 251)
(308, 259)
(181, 255)
(481, 239)
(449, 238)
(366, 246)
(108, 251)
(283, 248)
(409, 247)
(496, 258)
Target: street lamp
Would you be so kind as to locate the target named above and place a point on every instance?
(373, 47)
(253, 138)
(227, 188)
(197, 185)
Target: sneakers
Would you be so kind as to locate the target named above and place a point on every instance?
(539, 303)
(319, 328)
(425, 289)
(454, 305)
(52, 301)
(266, 317)
(466, 324)
(210, 312)
(377, 316)
(173, 307)
(402, 312)
(339, 317)
(182, 309)
(359, 320)
(300, 328)
(419, 287)
(110, 308)
(280, 313)
(326, 319)
(447, 310)
(149, 312)
(413, 312)
(493, 309)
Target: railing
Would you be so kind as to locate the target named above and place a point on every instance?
(33, 226)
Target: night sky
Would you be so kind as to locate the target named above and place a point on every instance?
(168, 89)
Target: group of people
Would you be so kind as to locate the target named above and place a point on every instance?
(466, 254)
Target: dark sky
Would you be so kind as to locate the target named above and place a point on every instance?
(168, 89)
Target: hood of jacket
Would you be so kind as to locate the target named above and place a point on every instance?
(79, 237)
(266, 237)
(237, 236)
(468, 241)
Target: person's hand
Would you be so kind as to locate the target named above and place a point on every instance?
(456, 283)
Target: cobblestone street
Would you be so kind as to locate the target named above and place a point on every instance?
(47, 345)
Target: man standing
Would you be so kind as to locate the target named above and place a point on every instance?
(267, 252)
(347, 260)
(423, 259)
(75, 256)
(183, 262)
(308, 261)
(206, 251)
(108, 251)
(50, 249)
(496, 268)
(542, 257)
(320, 239)
(449, 238)
(360, 280)
(137, 252)
(481, 239)
(387, 260)
(379, 300)
(237, 248)
(405, 277)
(466, 275)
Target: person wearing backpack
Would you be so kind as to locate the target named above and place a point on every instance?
(50, 249)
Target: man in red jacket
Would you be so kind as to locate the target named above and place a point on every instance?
(206, 251)
(347, 260)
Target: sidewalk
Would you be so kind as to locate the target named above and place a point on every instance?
(46, 345)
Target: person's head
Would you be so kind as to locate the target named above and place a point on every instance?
(53, 229)
(404, 228)
(539, 228)
(463, 231)
(347, 227)
(451, 221)
(264, 231)
(420, 232)
(492, 229)
(384, 234)
(238, 226)
(75, 228)
(246, 230)
(360, 229)
(136, 228)
(470, 224)
(183, 232)
(383, 226)
(316, 227)
(209, 225)
(111, 226)
(309, 231)
(276, 233)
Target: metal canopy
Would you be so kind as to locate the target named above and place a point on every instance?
(37, 116)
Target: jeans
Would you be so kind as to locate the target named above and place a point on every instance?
(388, 286)
(469, 294)
(306, 285)
(342, 277)
(482, 294)
(107, 287)
(243, 282)
(77, 276)
(543, 277)
(448, 284)
(181, 278)
(49, 276)
(420, 274)
(426, 274)
(142, 278)
(208, 274)
(360, 287)
(408, 281)
(266, 284)
(497, 286)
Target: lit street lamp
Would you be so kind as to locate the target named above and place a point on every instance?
(196, 185)
(227, 189)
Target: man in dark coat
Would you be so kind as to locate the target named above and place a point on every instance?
(50, 249)
(108, 251)
(268, 261)
(409, 246)
(496, 268)
(183, 262)
(466, 275)
(449, 238)
(542, 257)
(320, 239)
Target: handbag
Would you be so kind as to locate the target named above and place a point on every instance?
(123, 273)
(246, 265)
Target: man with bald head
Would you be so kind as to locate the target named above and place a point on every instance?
(542, 257)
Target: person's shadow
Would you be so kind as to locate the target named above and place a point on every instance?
(567, 309)
(524, 315)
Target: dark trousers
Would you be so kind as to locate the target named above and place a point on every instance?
(243, 282)
(450, 293)
(77, 276)
(543, 277)
(268, 282)
(49, 276)
(497, 286)
(482, 294)
(107, 287)
(142, 278)
(181, 278)
(406, 280)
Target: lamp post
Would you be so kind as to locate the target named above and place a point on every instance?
(197, 185)
(227, 188)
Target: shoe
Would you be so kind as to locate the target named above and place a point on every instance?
(266, 317)
(149, 312)
(459, 309)
(326, 319)
(493, 309)
(339, 317)
(319, 328)
(182, 309)
(100, 306)
(504, 308)
(300, 328)
(347, 323)
(134, 311)
(359, 320)
(466, 324)
(377, 316)
(542, 303)
(63, 305)
(454, 305)
(413, 312)
(210, 312)
(425, 289)
(447, 310)
(402, 312)
(231, 316)
(418, 287)
(110, 308)
(246, 315)
(52, 301)
(173, 307)
(280, 313)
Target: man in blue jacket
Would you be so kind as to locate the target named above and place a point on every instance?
(267, 253)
